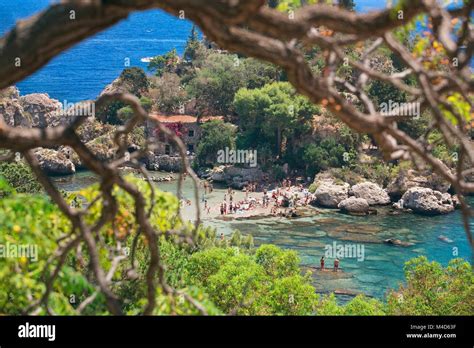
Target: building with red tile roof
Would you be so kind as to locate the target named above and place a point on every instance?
(187, 127)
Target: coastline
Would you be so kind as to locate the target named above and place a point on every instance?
(319, 227)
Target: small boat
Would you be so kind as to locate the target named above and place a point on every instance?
(146, 59)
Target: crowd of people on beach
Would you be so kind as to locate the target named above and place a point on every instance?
(282, 200)
(231, 206)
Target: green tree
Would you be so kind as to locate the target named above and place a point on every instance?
(135, 81)
(167, 92)
(216, 135)
(216, 83)
(323, 155)
(359, 305)
(131, 80)
(432, 289)
(267, 283)
(167, 62)
(192, 45)
(126, 113)
(273, 114)
(277, 262)
(383, 92)
(257, 73)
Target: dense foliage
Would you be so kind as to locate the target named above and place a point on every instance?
(224, 275)
(216, 135)
(17, 176)
(272, 118)
(432, 289)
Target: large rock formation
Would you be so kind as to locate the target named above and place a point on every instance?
(92, 129)
(36, 110)
(237, 177)
(329, 194)
(165, 162)
(371, 192)
(411, 178)
(353, 205)
(11, 110)
(54, 162)
(43, 111)
(103, 146)
(426, 201)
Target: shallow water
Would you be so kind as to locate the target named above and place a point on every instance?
(373, 272)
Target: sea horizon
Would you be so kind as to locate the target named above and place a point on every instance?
(83, 71)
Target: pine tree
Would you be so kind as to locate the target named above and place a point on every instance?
(191, 45)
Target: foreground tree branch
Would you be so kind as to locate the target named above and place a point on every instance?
(252, 29)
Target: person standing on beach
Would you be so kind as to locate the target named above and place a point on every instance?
(336, 264)
(322, 263)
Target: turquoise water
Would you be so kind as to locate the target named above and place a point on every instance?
(382, 266)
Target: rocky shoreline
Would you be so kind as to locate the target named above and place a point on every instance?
(409, 192)
(364, 197)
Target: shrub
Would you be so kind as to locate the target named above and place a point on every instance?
(432, 289)
(19, 177)
(267, 283)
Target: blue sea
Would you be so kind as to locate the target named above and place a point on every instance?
(83, 71)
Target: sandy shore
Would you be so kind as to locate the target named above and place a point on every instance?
(216, 197)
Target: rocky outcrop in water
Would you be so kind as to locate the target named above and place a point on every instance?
(426, 201)
(329, 194)
(54, 162)
(354, 205)
(371, 192)
(411, 178)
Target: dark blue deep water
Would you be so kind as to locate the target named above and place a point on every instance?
(82, 72)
